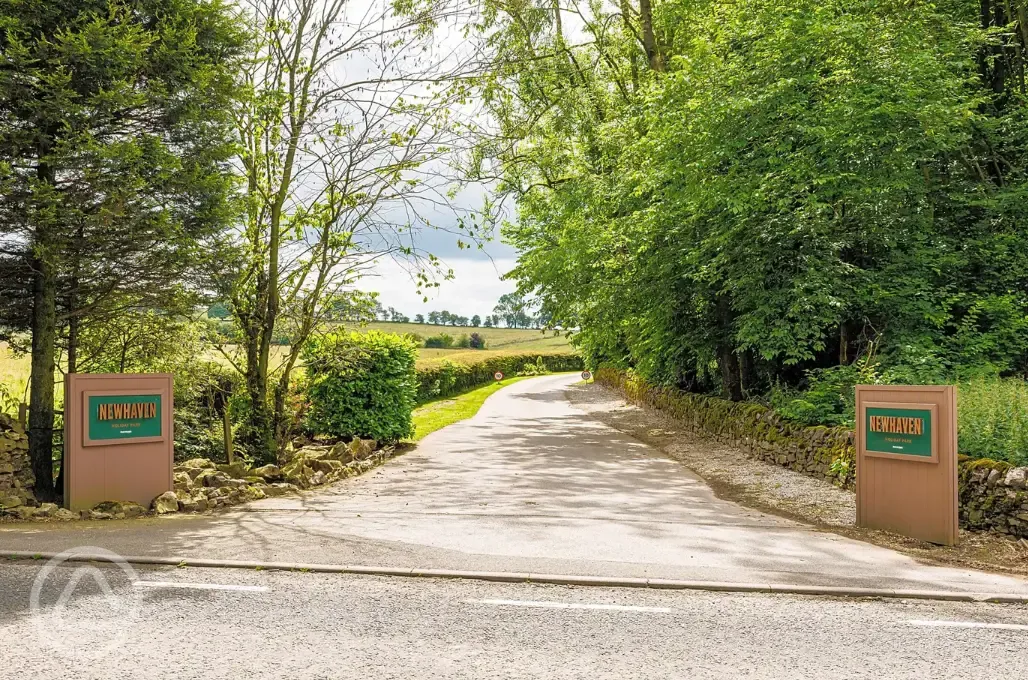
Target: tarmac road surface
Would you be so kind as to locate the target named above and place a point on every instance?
(530, 484)
(207, 624)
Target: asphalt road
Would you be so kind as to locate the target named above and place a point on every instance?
(209, 624)
(530, 484)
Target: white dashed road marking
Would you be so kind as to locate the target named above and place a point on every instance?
(969, 624)
(572, 605)
(199, 586)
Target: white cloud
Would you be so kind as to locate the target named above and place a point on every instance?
(475, 288)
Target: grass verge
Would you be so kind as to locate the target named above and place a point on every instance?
(437, 414)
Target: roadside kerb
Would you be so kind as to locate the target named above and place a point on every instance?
(549, 579)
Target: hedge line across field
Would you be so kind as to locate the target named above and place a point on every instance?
(449, 377)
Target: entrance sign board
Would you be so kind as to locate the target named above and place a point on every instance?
(906, 431)
(906, 449)
(123, 417)
(118, 438)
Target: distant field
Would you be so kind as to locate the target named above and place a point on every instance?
(14, 371)
(498, 341)
(526, 339)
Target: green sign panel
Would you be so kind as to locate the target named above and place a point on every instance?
(904, 431)
(124, 416)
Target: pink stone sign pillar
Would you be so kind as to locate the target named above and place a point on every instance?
(118, 438)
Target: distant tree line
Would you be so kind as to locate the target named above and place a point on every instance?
(512, 310)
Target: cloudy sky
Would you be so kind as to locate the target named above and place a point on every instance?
(477, 283)
(474, 290)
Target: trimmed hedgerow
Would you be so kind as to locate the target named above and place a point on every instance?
(361, 385)
(451, 377)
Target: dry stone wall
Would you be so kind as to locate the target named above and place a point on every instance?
(993, 495)
(817, 451)
(16, 480)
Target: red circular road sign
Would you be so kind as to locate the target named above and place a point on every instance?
(498, 375)
(586, 375)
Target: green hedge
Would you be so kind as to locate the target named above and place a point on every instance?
(361, 385)
(450, 377)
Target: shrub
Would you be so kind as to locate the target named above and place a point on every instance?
(538, 368)
(992, 412)
(464, 342)
(992, 419)
(450, 377)
(201, 396)
(476, 341)
(441, 341)
(361, 385)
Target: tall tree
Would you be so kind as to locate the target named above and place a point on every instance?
(784, 188)
(113, 166)
(514, 309)
(343, 143)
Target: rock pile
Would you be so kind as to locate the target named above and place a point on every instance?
(201, 484)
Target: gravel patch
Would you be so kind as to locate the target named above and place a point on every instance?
(730, 471)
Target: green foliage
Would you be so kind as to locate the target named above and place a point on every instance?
(451, 377)
(441, 341)
(202, 393)
(829, 397)
(992, 413)
(361, 385)
(515, 310)
(9, 401)
(992, 420)
(538, 368)
(153, 342)
(804, 178)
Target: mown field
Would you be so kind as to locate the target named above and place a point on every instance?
(14, 370)
(527, 339)
(498, 341)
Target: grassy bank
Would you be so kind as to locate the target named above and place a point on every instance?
(437, 414)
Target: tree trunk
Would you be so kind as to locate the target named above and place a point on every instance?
(648, 37)
(748, 373)
(73, 341)
(44, 339)
(41, 383)
(258, 433)
(226, 426)
(727, 359)
(731, 375)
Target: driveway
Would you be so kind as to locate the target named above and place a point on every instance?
(530, 484)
